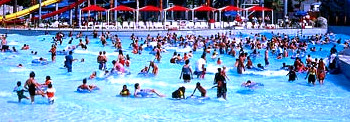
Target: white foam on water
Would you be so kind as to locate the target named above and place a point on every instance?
(267, 72)
(12, 43)
(18, 69)
(5, 94)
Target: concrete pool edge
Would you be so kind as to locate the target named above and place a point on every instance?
(41, 31)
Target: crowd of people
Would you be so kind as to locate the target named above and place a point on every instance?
(280, 45)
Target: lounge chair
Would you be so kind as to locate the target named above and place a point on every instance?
(158, 25)
(132, 25)
(197, 25)
(141, 25)
(125, 25)
(204, 25)
(217, 25)
(190, 25)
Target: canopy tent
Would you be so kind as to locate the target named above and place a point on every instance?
(120, 8)
(176, 8)
(149, 8)
(259, 8)
(202, 8)
(91, 8)
(230, 8)
(229, 11)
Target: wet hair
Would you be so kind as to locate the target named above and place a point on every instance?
(198, 84)
(32, 74)
(70, 52)
(187, 61)
(249, 81)
(113, 62)
(182, 89)
(136, 85)
(124, 86)
(19, 83)
(84, 81)
(48, 78)
(219, 69)
(49, 86)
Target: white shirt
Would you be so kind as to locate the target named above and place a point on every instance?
(200, 62)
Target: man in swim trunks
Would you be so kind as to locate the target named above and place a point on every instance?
(311, 75)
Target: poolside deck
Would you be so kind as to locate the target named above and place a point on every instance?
(41, 31)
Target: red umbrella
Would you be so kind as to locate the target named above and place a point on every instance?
(204, 8)
(230, 8)
(177, 8)
(258, 8)
(93, 8)
(122, 8)
(149, 8)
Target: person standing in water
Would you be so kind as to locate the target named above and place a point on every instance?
(311, 75)
(267, 57)
(292, 75)
(32, 87)
(69, 61)
(186, 72)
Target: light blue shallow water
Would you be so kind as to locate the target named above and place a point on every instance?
(278, 100)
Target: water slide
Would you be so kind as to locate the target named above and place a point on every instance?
(4, 1)
(27, 11)
(71, 6)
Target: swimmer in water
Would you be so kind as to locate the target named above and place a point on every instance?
(87, 87)
(292, 75)
(93, 75)
(247, 84)
(179, 93)
(201, 90)
(145, 92)
(125, 92)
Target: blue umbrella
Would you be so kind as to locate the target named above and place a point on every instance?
(300, 13)
(230, 13)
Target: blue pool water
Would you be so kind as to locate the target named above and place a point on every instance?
(278, 100)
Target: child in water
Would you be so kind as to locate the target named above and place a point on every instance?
(50, 92)
(19, 89)
(203, 73)
(125, 92)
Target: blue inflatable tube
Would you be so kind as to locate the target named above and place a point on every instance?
(37, 61)
(297, 56)
(80, 90)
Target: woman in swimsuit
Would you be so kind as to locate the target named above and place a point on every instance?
(186, 72)
(32, 86)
